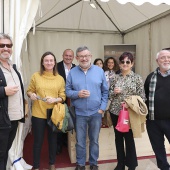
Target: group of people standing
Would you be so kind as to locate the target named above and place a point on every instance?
(89, 88)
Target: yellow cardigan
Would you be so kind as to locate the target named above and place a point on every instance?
(58, 115)
(45, 85)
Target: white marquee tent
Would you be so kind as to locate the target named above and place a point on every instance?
(54, 25)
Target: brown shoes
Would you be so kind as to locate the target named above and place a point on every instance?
(52, 167)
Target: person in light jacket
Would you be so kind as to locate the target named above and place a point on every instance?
(87, 88)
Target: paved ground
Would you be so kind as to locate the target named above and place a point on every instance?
(143, 164)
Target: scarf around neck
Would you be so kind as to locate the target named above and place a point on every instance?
(152, 87)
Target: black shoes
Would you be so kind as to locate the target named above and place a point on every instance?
(120, 167)
(94, 167)
(78, 167)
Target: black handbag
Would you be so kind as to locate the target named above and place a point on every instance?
(49, 121)
(72, 115)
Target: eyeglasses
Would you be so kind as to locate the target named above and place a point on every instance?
(7, 45)
(84, 56)
(123, 62)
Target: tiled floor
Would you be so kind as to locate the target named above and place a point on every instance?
(143, 164)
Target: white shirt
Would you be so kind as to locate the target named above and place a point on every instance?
(66, 69)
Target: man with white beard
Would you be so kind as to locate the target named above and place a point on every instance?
(157, 89)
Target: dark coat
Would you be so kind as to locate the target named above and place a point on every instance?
(61, 70)
(4, 117)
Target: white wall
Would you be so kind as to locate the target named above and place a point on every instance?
(57, 42)
(149, 40)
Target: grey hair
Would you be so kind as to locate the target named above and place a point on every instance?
(79, 49)
(157, 55)
(5, 36)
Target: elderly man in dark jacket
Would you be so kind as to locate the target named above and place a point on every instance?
(157, 89)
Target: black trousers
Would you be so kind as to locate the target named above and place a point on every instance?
(126, 155)
(157, 130)
(39, 125)
(6, 139)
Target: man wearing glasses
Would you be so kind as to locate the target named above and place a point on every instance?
(87, 87)
(11, 99)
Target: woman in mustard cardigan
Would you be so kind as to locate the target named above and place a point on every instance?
(46, 88)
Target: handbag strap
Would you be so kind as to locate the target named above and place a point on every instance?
(123, 107)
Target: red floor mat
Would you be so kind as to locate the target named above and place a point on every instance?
(62, 160)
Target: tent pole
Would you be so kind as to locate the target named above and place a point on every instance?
(122, 33)
(59, 12)
(150, 49)
(123, 40)
(2, 16)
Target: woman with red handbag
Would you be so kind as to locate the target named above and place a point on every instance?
(125, 84)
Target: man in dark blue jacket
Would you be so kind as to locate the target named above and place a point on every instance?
(11, 99)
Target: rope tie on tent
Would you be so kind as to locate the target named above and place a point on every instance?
(40, 15)
(33, 27)
(40, 10)
(17, 160)
(26, 44)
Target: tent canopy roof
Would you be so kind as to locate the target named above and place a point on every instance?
(78, 15)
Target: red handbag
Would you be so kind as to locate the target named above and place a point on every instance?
(123, 120)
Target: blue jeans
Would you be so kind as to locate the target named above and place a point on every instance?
(157, 131)
(92, 124)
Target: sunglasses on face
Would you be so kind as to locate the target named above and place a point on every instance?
(7, 45)
(123, 62)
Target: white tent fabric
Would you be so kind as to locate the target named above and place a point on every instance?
(140, 2)
(78, 15)
(22, 14)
